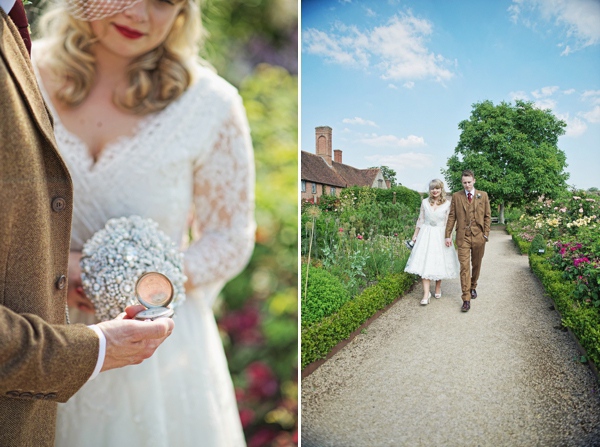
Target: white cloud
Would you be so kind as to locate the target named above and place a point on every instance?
(518, 95)
(569, 92)
(578, 19)
(346, 130)
(392, 141)
(589, 93)
(409, 84)
(399, 162)
(370, 12)
(575, 127)
(544, 91)
(357, 120)
(566, 51)
(398, 49)
(392, 86)
(319, 43)
(544, 104)
(593, 116)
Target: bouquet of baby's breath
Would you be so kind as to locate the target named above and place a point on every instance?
(115, 257)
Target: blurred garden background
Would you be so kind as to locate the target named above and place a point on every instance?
(253, 44)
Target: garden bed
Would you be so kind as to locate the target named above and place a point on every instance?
(321, 339)
(583, 323)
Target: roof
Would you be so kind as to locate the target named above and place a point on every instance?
(354, 176)
(315, 169)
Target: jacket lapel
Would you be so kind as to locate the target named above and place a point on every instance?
(13, 50)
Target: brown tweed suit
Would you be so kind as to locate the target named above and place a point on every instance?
(470, 241)
(42, 360)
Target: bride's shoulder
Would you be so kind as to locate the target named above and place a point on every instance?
(206, 81)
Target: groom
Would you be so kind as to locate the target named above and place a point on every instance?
(470, 210)
(42, 360)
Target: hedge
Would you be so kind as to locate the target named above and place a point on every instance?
(326, 294)
(404, 195)
(320, 338)
(584, 322)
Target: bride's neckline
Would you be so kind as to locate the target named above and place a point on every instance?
(110, 149)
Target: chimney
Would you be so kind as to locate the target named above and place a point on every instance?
(323, 143)
(388, 183)
(337, 155)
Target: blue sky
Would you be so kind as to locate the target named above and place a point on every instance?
(394, 78)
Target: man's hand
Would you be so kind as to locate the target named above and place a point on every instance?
(448, 242)
(129, 342)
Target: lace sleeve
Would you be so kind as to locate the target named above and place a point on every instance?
(224, 203)
(421, 219)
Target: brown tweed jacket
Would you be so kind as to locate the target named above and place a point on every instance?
(42, 360)
(458, 215)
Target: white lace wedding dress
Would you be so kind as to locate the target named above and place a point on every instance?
(430, 258)
(196, 152)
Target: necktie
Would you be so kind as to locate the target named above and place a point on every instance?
(470, 197)
(19, 18)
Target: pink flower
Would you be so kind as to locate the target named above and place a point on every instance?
(341, 230)
(359, 237)
(246, 416)
(395, 234)
(564, 209)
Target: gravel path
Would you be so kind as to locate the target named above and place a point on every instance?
(502, 374)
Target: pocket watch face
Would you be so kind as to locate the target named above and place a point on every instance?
(154, 289)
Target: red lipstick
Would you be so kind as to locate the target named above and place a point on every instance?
(128, 32)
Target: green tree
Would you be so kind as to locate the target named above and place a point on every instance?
(388, 174)
(513, 152)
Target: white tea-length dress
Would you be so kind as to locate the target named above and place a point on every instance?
(430, 258)
(194, 154)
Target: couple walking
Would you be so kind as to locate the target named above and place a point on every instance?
(433, 256)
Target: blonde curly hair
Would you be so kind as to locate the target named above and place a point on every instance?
(437, 183)
(155, 79)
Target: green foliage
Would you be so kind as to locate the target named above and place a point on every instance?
(388, 174)
(584, 321)
(537, 244)
(320, 338)
(513, 152)
(404, 196)
(242, 33)
(258, 314)
(325, 294)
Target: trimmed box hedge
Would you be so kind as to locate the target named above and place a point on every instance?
(584, 322)
(320, 338)
(326, 295)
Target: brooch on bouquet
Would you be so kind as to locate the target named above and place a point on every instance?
(478, 196)
(130, 261)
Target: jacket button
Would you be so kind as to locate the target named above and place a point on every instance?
(12, 393)
(38, 396)
(58, 204)
(61, 283)
(26, 395)
(50, 396)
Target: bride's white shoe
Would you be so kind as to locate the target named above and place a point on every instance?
(438, 295)
(425, 301)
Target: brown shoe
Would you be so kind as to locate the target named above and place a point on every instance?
(466, 306)
(473, 294)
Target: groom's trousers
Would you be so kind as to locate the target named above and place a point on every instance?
(470, 254)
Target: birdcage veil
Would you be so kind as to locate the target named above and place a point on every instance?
(90, 10)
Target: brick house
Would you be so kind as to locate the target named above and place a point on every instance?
(320, 174)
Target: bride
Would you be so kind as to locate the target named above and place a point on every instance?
(146, 130)
(430, 258)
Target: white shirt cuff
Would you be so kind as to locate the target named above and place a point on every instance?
(101, 351)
